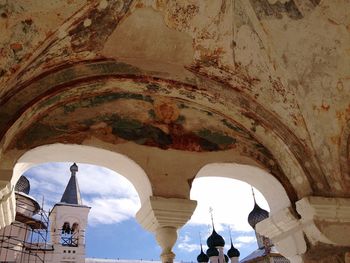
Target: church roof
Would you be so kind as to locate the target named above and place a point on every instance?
(233, 252)
(71, 194)
(202, 257)
(215, 240)
(257, 214)
(261, 253)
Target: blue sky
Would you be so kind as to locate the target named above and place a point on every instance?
(113, 231)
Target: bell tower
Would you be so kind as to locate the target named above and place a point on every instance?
(68, 223)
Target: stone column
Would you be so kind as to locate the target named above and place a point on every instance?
(321, 234)
(7, 204)
(163, 217)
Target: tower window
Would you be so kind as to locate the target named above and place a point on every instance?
(69, 235)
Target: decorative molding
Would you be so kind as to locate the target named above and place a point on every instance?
(285, 231)
(165, 212)
(325, 209)
(325, 220)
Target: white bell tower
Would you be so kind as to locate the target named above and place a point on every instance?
(68, 220)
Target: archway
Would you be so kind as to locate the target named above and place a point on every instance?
(267, 184)
(273, 191)
(86, 154)
(113, 201)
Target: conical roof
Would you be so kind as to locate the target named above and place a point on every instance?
(202, 257)
(257, 214)
(71, 194)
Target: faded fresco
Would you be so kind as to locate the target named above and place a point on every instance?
(268, 80)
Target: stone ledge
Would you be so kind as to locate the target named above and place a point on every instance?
(322, 208)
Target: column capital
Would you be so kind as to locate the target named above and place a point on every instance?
(325, 220)
(285, 231)
(159, 212)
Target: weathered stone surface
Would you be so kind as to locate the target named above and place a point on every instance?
(267, 82)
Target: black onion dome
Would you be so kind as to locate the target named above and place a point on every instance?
(23, 185)
(212, 252)
(233, 252)
(215, 240)
(202, 257)
(257, 215)
(226, 258)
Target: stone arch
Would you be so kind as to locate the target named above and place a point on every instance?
(273, 191)
(95, 79)
(86, 154)
(281, 216)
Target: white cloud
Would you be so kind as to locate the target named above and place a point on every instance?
(230, 199)
(188, 247)
(112, 197)
(238, 245)
(110, 211)
(186, 244)
(246, 239)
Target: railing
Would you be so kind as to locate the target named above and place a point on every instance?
(69, 241)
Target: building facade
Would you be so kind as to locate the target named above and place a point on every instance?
(37, 237)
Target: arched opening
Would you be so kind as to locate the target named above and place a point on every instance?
(226, 188)
(71, 231)
(86, 154)
(273, 191)
(69, 235)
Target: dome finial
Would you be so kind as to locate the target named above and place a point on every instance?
(253, 194)
(74, 168)
(211, 215)
(202, 257)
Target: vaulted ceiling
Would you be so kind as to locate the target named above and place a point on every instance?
(261, 82)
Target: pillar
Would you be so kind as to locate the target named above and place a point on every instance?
(320, 233)
(163, 217)
(7, 204)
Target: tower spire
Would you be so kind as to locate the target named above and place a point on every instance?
(253, 195)
(71, 194)
(200, 240)
(211, 215)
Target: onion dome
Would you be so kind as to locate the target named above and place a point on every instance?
(202, 257)
(212, 252)
(215, 240)
(226, 258)
(257, 215)
(233, 252)
(23, 185)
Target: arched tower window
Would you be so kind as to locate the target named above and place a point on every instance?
(69, 234)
